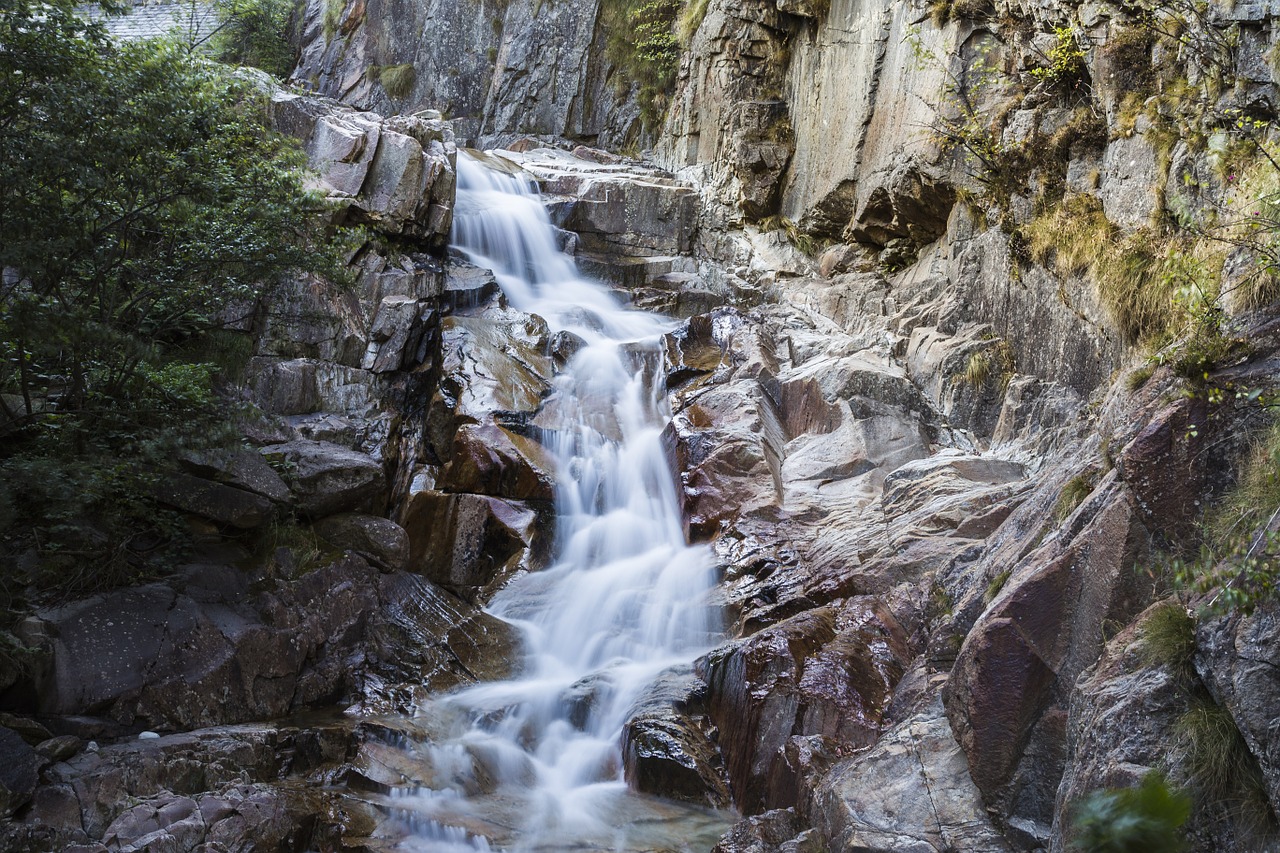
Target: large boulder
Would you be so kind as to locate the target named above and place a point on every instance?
(379, 540)
(327, 478)
(1010, 687)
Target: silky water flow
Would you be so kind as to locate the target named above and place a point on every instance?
(535, 763)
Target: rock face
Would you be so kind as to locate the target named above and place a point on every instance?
(501, 71)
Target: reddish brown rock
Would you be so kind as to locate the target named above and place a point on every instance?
(1011, 683)
(490, 460)
(467, 542)
(1164, 467)
(827, 674)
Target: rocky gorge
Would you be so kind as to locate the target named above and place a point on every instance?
(933, 410)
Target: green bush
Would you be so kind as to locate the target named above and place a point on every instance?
(145, 202)
(1169, 640)
(255, 32)
(1145, 819)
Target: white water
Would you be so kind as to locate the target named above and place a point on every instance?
(624, 600)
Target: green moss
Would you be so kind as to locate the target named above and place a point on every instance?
(397, 80)
(690, 19)
(332, 17)
(997, 584)
(1139, 377)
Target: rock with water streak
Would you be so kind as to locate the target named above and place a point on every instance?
(667, 744)
(828, 672)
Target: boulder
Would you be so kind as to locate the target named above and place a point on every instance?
(468, 543)
(19, 771)
(379, 540)
(242, 469)
(667, 744)
(828, 672)
(326, 478)
(911, 791)
(225, 505)
(490, 460)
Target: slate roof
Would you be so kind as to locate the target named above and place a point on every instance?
(153, 19)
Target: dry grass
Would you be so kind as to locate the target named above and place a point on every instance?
(397, 80)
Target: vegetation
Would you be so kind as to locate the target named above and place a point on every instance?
(255, 32)
(1073, 494)
(1132, 820)
(997, 583)
(690, 19)
(645, 51)
(397, 80)
(942, 12)
(1169, 640)
(146, 208)
(1065, 61)
(1218, 763)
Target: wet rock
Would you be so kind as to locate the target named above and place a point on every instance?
(1009, 689)
(563, 346)
(327, 479)
(911, 791)
(828, 672)
(667, 745)
(19, 771)
(379, 540)
(762, 833)
(467, 542)
(396, 335)
(489, 460)
(224, 505)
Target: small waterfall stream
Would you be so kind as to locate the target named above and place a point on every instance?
(539, 757)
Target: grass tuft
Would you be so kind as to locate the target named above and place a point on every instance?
(1169, 640)
(997, 584)
(1218, 763)
(397, 80)
(1073, 494)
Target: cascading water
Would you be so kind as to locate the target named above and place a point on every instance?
(624, 600)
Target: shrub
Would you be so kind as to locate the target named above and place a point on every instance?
(1132, 820)
(1065, 59)
(644, 50)
(255, 32)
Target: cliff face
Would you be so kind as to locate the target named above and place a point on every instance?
(500, 70)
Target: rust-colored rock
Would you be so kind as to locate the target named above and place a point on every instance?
(828, 672)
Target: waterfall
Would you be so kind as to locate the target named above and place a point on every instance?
(625, 597)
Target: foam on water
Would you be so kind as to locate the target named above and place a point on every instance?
(625, 598)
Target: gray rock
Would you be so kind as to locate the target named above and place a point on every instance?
(225, 505)
(60, 748)
(379, 540)
(327, 479)
(19, 771)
